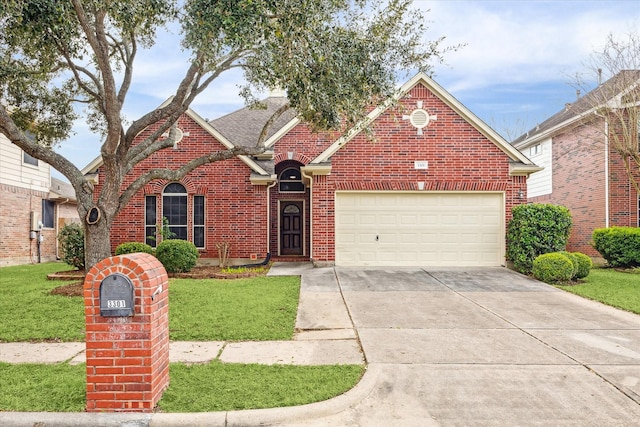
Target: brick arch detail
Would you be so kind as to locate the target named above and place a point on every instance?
(298, 157)
(156, 186)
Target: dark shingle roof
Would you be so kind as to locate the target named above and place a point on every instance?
(606, 91)
(243, 127)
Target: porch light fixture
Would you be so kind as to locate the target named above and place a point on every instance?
(520, 194)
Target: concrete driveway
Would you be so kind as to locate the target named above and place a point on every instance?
(483, 346)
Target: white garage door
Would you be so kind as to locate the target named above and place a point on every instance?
(419, 228)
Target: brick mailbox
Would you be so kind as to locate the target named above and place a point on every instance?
(127, 338)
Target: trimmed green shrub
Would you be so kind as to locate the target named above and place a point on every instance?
(584, 265)
(177, 256)
(71, 239)
(620, 246)
(133, 247)
(552, 268)
(574, 261)
(536, 229)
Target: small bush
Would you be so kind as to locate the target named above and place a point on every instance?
(552, 268)
(133, 247)
(620, 246)
(584, 265)
(574, 261)
(71, 239)
(177, 256)
(536, 229)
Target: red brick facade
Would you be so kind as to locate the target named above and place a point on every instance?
(461, 158)
(15, 242)
(235, 210)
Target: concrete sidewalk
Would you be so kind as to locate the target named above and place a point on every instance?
(449, 347)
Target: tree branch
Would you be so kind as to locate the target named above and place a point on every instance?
(178, 174)
(265, 129)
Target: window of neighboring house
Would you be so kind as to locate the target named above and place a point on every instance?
(535, 150)
(150, 220)
(27, 159)
(290, 180)
(174, 208)
(198, 221)
(48, 208)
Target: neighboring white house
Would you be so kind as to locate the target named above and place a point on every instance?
(540, 183)
(33, 206)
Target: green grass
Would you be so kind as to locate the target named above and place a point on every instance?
(220, 387)
(256, 309)
(611, 287)
(29, 313)
(42, 388)
(193, 388)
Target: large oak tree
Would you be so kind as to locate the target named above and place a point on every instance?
(333, 57)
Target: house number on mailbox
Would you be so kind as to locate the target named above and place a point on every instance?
(116, 296)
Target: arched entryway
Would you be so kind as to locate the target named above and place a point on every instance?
(290, 199)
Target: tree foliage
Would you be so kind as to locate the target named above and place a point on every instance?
(333, 57)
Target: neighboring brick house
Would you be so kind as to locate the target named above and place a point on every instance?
(435, 187)
(33, 207)
(582, 169)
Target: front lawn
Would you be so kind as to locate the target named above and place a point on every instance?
(261, 308)
(609, 286)
(256, 309)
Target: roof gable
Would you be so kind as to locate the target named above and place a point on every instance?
(449, 100)
(97, 162)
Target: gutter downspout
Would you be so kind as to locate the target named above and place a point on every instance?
(606, 168)
(310, 178)
(269, 187)
(606, 172)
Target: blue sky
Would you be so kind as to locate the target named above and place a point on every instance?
(514, 71)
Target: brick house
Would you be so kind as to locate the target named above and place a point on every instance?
(33, 205)
(582, 169)
(435, 187)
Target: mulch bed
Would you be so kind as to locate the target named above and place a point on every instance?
(75, 289)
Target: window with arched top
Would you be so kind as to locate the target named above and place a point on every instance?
(174, 208)
(290, 181)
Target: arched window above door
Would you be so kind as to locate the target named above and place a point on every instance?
(290, 181)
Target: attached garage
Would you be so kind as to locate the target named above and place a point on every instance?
(419, 228)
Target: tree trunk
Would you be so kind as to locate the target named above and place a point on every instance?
(97, 243)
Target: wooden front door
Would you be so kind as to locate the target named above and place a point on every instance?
(291, 228)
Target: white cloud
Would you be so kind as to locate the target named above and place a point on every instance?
(522, 41)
